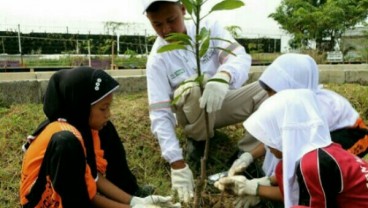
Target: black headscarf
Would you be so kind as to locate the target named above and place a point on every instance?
(70, 94)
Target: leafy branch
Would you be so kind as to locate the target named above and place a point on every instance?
(199, 47)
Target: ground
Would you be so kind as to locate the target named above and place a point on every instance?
(130, 115)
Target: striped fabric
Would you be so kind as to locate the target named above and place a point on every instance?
(224, 54)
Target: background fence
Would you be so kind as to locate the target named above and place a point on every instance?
(97, 50)
(119, 45)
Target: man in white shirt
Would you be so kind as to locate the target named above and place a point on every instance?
(226, 102)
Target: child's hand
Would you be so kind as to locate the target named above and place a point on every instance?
(153, 201)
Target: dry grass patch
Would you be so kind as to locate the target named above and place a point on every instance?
(130, 115)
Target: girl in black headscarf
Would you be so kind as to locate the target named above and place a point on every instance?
(70, 154)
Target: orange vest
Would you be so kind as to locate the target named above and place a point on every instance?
(34, 156)
(362, 144)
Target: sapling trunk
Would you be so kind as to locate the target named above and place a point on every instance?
(200, 184)
(179, 41)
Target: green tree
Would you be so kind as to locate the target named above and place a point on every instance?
(322, 21)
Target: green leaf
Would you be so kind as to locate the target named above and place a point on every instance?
(181, 38)
(203, 48)
(218, 80)
(171, 47)
(198, 79)
(204, 39)
(227, 5)
(226, 50)
(202, 34)
(188, 4)
(173, 102)
(217, 38)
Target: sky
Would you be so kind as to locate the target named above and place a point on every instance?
(86, 16)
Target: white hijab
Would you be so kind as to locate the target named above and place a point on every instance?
(298, 71)
(290, 122)
(291, 71)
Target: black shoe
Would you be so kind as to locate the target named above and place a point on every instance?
(144, 191)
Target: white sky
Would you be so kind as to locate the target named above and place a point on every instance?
(86, 16)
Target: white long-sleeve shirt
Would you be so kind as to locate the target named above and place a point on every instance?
(165, 71)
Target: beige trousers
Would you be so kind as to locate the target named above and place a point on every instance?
(238, 105)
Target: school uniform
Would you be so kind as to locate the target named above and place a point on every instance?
(48, 170)
(291, 122)
(165, 72)
(330, 177)
(64, 155)
(298, 71)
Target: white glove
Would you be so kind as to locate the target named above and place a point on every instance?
(246, 201)
(145, 206)
(184, 88)
(153, 201)
(214, 92)
(182, 182)
(239, 185)
(241, 164)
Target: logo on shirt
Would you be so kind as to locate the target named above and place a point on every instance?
(177, 73)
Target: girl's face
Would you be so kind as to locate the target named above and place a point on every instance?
(277, 153)
(100, 113)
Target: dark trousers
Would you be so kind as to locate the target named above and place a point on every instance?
(64, 162)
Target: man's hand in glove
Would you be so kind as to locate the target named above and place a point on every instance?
(241, 164)
(214, 92)
(153, 201)
(246, 201)
(239, 185)
(182, 182)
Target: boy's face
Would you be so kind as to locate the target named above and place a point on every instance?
(100, 113)
(168, 19)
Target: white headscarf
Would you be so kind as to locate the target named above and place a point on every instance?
(291, 71)
(337, 110)
(290, 122)
(298, 71)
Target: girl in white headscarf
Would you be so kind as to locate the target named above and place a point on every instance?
(314, 172)
(298, 71)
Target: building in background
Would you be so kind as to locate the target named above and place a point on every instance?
(354, 44)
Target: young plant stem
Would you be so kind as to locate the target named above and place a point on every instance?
(202, 178)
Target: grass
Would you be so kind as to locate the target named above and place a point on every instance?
(130, 115)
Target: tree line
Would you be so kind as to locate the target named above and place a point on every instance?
(319, 21)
